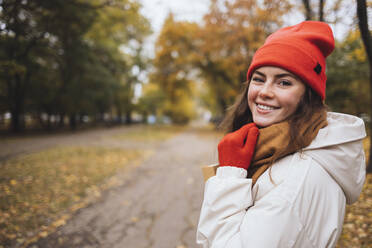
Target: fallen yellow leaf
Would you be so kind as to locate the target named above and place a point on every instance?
(59, 222)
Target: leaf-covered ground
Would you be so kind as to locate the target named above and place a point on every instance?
(357, 229)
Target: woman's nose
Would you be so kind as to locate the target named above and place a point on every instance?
(266, 90)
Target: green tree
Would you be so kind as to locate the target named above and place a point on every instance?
(30, 31)
(347, 72)
(152, 101)
(66, 58)
(119, 31)
(20, 35)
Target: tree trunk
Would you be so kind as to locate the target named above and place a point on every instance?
(81, 118)
(72, 119)
(145, 115)
(15, 123)
(308, 13)
(128, 117)
(61, 122)
(321, 10)
(16, 109)
(49, 122)
(366, 37)
(119, 116)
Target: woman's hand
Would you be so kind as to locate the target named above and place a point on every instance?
(237, 148)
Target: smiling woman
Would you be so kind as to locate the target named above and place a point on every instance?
(280, 121)
(273, 95)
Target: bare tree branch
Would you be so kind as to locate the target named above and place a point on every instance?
(308, 12)
(321, 10)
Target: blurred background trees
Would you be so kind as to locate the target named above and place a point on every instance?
(69, 59)
(70, 62)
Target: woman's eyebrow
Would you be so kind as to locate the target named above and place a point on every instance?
(260, 73)
(285, 75)
(277, 75)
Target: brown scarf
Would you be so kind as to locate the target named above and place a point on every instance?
(273, 143)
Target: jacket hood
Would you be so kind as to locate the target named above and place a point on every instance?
(338, 148)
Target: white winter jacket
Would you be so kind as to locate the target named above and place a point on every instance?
(303, 207)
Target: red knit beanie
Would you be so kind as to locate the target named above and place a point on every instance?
(301, 49)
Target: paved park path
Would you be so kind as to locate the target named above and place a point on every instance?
(157, 206)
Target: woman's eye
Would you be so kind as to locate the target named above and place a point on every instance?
(285, 83)
(257, 79)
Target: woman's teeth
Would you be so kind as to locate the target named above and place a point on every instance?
(264, 107)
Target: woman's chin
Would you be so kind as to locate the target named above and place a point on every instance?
(263, 122)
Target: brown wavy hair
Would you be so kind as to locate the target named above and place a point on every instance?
(239, 113)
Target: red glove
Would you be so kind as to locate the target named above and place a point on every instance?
(237, 148)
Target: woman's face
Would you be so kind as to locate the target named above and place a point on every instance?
(273, 95)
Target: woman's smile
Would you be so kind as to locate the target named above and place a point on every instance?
(264, 107)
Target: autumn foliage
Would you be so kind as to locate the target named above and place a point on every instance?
(206, 63)
(216, 53)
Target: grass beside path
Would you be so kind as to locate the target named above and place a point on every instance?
(151, 133)
(36, 188)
